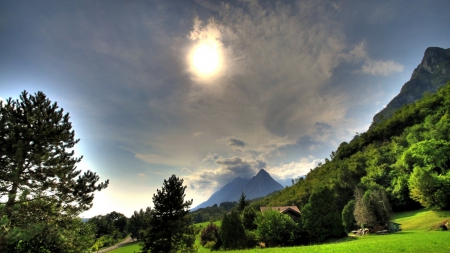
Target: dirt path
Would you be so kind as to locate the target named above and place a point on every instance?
(127, 240)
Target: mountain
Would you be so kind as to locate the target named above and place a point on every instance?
(432, 73)
(258, 186)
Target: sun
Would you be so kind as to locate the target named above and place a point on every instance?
(205, 59)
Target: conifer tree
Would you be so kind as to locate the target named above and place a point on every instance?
(171, 228)
(243, 202)
(38, 173)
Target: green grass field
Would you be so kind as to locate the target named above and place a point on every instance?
(129, 248)
(418, 235)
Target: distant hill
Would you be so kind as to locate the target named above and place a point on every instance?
(432, 73)
(258, 186)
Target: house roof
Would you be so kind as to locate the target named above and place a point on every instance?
(281, 209)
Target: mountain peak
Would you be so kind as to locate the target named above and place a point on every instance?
(262, 172)
(432, 73)
(258, 186)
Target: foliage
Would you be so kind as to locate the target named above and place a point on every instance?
(242, 202)
(210, 233)
(38, 176)
(67, 235)
(232, 232)
(348, 218)
(139, 222)
(277, 229)
(406, 155)
(212, 213)
(430, 189)
(248, 218)
(372, 207)
(104, 241)
(321, 218)
(171, 228)
(113, 224)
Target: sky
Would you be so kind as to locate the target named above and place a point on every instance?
(209, 90)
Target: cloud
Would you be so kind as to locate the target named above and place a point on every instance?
(294, 169)
(209, 5)
(235, 143)
(210, 180)
(382, 68)
(211, 158)
(371, 66)
(279, 58)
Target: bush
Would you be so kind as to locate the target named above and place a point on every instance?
(209, 234)
(276, 229)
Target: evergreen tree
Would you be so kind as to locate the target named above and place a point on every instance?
(232, 232)
(243, 202)
(38, 173)
(320, 217)
(171, 228)
(248, 218)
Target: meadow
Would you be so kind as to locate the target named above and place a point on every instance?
(419, 235)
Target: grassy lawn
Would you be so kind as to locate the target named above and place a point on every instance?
(417, 236)
(129, 248)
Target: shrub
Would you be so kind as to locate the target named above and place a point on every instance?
(209, 234)
(276, 229)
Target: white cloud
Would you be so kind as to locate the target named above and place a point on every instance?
(294, 169)
(382, 68)
(371, 66)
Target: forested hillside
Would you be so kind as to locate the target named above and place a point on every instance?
(402, 162)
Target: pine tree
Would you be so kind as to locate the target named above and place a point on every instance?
(243, 202)
(38, 175)
(171, 228)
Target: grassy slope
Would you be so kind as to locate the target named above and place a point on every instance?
(417, 236)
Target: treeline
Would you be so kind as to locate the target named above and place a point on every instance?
(109, 229)
(212, 213)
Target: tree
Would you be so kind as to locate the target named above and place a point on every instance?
(243, 202)
(38, 167)
(232, 232)
(171, 228)
(277, 229)
(372, 207)
(113, 224)
(248, 218)
(320, 217)
(139, 222)
(430, 189)
(348, 218)
(210, 233)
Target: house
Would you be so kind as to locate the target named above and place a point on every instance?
(292, 211)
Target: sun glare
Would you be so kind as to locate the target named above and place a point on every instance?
(205, 59)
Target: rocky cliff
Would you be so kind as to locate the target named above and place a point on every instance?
(432, 73)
